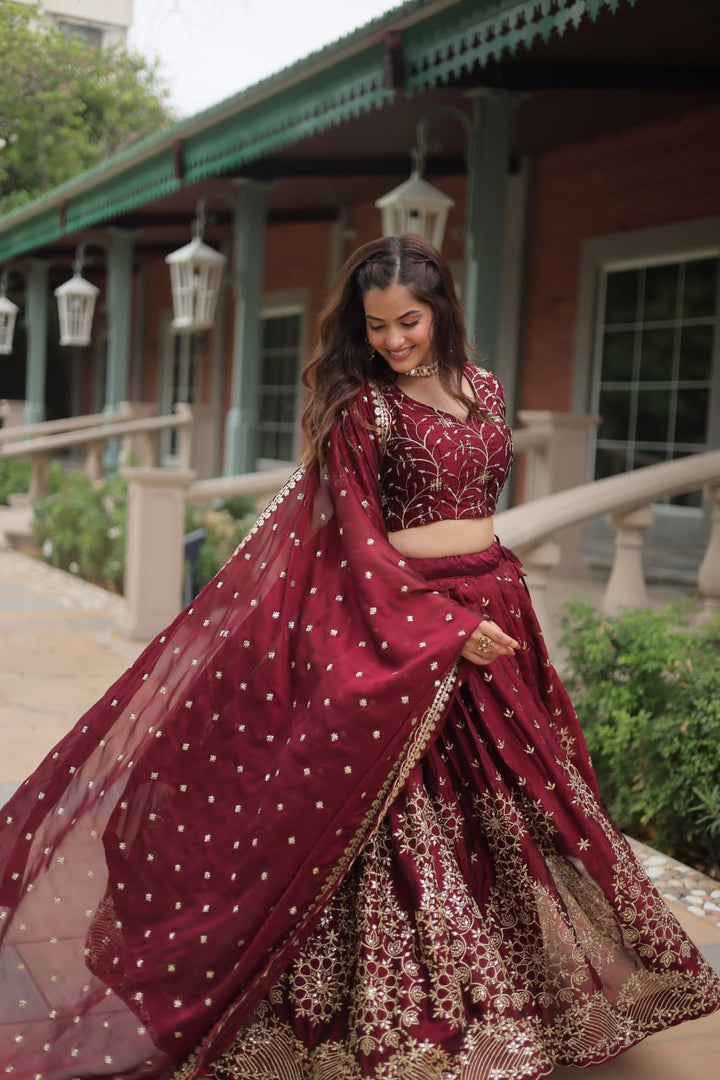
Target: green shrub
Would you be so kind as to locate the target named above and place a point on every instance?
(646, 686)
(81, 528)
(225, 525)
(14, 478)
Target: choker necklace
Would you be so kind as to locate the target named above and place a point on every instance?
(423, 371)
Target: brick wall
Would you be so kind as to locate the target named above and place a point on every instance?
(655, 174)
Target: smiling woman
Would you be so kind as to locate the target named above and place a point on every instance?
(339, 818)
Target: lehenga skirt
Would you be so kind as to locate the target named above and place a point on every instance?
(496, 924)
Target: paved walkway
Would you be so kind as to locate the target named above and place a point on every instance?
(59, 650)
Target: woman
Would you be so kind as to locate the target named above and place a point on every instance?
(338, 819)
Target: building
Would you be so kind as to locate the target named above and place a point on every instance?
(99, 22)
(579, 142)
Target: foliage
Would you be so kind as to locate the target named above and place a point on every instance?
(81, 528)
(646, 686)
(225, 524)
(64, 106)
(14, 478)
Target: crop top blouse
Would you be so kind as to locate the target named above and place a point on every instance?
(436, 467)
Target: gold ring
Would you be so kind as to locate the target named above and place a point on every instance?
(484, 644)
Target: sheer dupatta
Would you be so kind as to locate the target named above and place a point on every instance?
(173, 852)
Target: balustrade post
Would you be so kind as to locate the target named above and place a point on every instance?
(560, 463)
(626, 584)
(39, 476)
(709, 572)
(154, 555)
(139, 448)
(538, 562)
(94, 461)
(185, 435)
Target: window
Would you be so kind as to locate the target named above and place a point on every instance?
(278, 390)
(91, 35)
(655, 346)
(183, 357)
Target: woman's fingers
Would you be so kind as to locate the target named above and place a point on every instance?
(487, 642)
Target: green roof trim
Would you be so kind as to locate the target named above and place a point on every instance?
(440, 40)
(453, 41)
(318, 103)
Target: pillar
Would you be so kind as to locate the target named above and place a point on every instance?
(119, 303)
(488, 166)
(154, 554)
(120, 266)
(37, 323)
(249, 268)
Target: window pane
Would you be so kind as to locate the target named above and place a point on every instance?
(653, 416)
(621, 297)
(661, 292)
(699, 297)
(692, 416)
(278, 391)
(617, 360)
(610, 461)
(642, 456)
(615, 414)
(696, 346)
(656, 355)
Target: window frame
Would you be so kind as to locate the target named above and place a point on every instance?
(636, 249)
(278, 307)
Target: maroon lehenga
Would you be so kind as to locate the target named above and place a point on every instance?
(299, 838)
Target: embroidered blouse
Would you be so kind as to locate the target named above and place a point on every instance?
(436, 467)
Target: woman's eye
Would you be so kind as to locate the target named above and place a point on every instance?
(409, 325)
(374, 329)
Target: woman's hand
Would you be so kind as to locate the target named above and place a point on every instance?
(486, 643)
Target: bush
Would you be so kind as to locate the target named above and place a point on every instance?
(14, 478)
(81, 528)
(225, 525)
(646, 686)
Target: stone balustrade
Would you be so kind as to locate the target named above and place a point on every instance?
(535, 529)
(138, 433)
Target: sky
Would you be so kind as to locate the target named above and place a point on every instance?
(209, 49)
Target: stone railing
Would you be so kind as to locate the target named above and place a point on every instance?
(532, 529)
(158, 497)
(139, 435)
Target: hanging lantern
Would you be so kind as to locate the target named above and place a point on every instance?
(76, 306)
(8, 314)
(415, 207)
(195, 276)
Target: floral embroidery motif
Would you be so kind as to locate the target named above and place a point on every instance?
(436, 466)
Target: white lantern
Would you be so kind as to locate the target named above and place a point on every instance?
(76, 306)
(415, 207)
(8, 314)
(195, 275)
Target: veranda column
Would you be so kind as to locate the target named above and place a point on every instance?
(120, 268)
(249, 268)
(37, 323)
(488, 165)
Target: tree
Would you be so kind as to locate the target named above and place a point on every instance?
(64, 106)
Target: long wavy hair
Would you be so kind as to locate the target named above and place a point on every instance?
(343, 359)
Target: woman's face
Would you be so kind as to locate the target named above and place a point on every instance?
(399, 327)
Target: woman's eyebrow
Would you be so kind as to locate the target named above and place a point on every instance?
(376, 318)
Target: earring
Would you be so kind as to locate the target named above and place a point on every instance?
(370, 349)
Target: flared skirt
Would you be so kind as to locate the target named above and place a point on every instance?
(496, 924)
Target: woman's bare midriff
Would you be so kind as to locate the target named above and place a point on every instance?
(461, 537)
